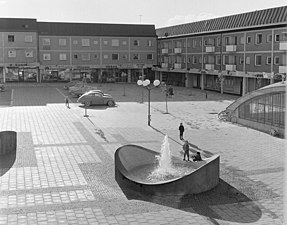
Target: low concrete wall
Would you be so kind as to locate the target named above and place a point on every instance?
(204, 177)
(8, 142)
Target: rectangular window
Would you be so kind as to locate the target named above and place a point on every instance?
(46, 41)
(200, 43)
(115, 56)
(276, 60)
(11, 38)
(125, 42)
(268, 60)
(136, 43)
(269, 38)
(105, 42)
(115, 42)
(284, 36)
(218, 60)
(75, 56)
(62, 42)
(247, 61)
(85, 42)
(95, 56)
(75, 42)
(136, 56)
(188, 44)
(86, 56)
(259, 38)
(277, 37)
(227, 40)
(242, 40)
(248, 40)
(149, 56)
(46, 56)
(62, 56)
(96, 42)
(29, 54)
(125, 56)
(106, 56)
(258, 60)
(149, 43)
(28, 38)
(194, 59)
(204, 59)
(12, 53)
(241, 60)
(193, 43)
(218, 40)
(200, 59)
(206, 42)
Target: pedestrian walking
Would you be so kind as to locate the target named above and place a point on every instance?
(181, 130)
(67, 102)
(185, 148)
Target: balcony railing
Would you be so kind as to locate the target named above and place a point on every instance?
(177, 66)
(177, 50)
(283, 45)
(209, 66)
(282, 69)
(164, 51)
(230, 67)
(164, 65)
(230, 48)
(210, 49)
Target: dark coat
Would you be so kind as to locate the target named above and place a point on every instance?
(181, 128)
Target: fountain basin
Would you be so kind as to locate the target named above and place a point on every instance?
(199, 177)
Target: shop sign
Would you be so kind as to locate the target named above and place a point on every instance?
(111, 66)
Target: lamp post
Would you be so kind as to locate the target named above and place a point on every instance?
(147, 85)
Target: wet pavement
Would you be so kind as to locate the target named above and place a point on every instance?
(63, 170)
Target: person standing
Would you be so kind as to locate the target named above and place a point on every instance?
(67, 101)
(181, 130)
(185, 148)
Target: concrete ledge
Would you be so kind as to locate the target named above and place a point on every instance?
(204, 177)
(8, 142)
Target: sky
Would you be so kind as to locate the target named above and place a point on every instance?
(161, 13)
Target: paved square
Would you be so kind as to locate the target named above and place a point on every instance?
(63, 170)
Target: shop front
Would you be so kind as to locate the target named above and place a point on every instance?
(19, 73)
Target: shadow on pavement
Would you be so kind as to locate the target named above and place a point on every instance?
(214, 204)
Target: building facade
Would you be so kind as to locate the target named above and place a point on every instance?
(49, 52)
(234, 54)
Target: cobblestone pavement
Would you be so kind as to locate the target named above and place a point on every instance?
(63, 170)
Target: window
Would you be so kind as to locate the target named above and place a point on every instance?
(227, 40)
(12, 53)
(200, 59)
(63, 56)
(86, 56)
(85, 42)
(259, 38)
(11, 38)
(193, 43)
(115, 42)
(247, 61)
(149, 56)
(115, 56)
(269, 38)
(105, 42)
(149, 43)
(136, 43)
(218, 40)
(242, 40)
(136, 56)
(95, 56)
(125, 42)
(218, 60)
(206, 42)
(75, 56)
(62, 42)
(28, 38)
(268, 60)
(204, 60)
(75, 42)
(276, 60)
(277, 37)
(96, 42)
(194, 59)
(125, 56)
(29, 54)
(46, 41)
(200, 43)
(241, 60)
(46, 56)
(284, 36)
(258, 60)
(248, 40)
(106, 56)
(188, 44)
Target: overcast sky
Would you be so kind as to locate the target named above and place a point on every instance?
(161, 13)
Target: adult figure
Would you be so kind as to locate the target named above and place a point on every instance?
(185, 148)
(181, 130)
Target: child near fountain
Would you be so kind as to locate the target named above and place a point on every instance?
(196, 157)
(186, 150)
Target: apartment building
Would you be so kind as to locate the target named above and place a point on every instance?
(68, 51)
(233, 54)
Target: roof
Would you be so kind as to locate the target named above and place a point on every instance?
(258, 18)
(95, 29)
(18, 24)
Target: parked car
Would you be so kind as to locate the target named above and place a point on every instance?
(78, 91)
(96, 97)
(72, 84)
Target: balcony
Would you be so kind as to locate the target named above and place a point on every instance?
(164, 51)
(231, 48)
(209, 66)
(177, 66)
(282, 69)
(230, 67)
(210, 49)
(177, 50)
(283, 45)
(164, 65)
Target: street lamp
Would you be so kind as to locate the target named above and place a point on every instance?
(147, 85)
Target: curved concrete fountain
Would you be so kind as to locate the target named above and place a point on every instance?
(202, 176)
